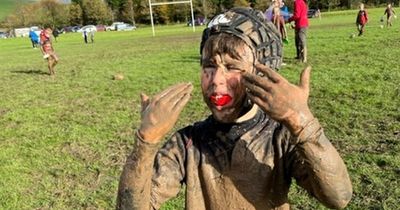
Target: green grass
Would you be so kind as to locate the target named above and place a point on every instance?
(64, 140)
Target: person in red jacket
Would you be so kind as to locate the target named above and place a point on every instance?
(362, 19)
(301, 24)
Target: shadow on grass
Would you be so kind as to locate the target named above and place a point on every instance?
(31, 72)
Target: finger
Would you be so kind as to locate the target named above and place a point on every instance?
(305, 78)
(256, 90)
(271, 74)
(177, 93)
(181, 103)
(144, 101)
(167, 91)
(260, 102)
(262, 82)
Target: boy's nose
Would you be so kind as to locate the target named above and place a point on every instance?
(219, 76)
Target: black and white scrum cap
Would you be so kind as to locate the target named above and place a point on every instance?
(250, 26)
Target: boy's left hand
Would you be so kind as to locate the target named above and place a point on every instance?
(280, 99)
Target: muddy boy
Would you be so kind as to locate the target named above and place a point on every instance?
(260, 134)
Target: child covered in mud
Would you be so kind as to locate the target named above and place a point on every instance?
(48, 50)
(260, 134)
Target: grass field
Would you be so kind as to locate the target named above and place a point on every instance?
(64, 140)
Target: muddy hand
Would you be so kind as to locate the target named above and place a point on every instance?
(281, 100)
(160, 113)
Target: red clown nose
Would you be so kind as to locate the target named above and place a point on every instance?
(220, 100)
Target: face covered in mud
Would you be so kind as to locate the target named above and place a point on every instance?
(224, 59)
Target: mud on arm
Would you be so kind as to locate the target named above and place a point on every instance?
(151, 175)
(158, 116)
(318, 168)
(135, 181)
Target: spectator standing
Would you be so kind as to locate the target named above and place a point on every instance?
(279, 20)
(91, 35)
(301, 25)
(34, 38)
(318, 14)
(85, 36)
(55, 34)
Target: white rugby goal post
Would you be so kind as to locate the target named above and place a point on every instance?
(151, 4)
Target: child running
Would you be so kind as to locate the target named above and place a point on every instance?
(48, 50)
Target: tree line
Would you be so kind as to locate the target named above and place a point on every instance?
(82, 12)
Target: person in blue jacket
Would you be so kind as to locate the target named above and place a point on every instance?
(34, 38)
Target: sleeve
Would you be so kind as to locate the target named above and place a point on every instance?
(318, 168)
(366, 16)
(169, 171)
(296, 12)
(151, 175)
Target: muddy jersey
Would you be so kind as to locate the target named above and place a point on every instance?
(248, 165)
(362, 17)
(47, 48)
(44, 36)
(389, 12)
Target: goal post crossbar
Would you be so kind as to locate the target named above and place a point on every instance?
(171, 2)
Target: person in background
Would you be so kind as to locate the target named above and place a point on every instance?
(34, 38)
(301, 25)
(260, 134)
(279, 20)
(284, 10)
(389, 12)
(85, 36)
(318, 14)
(55, 34)
(362, 19)
(91, 35)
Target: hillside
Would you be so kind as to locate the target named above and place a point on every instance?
(7, 6)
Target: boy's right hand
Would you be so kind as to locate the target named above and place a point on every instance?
(160, 113)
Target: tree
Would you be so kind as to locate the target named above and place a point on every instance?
(52, 13)
(95, 11)
(129, 12)
(161, 14)
(75, 14)
(241, 3)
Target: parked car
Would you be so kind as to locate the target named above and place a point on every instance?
(3, 35)
(312, 13)
(125, 27)
(101, 28)
(35, 28)
(113, 26)
(68, 29)
(87, 28)
(197, 22)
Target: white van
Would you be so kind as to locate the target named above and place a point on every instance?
(113, 26)
(125, 27)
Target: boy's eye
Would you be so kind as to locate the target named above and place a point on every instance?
(234, 68)
(208, 68)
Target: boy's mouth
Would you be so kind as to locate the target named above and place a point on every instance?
(220, 100)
